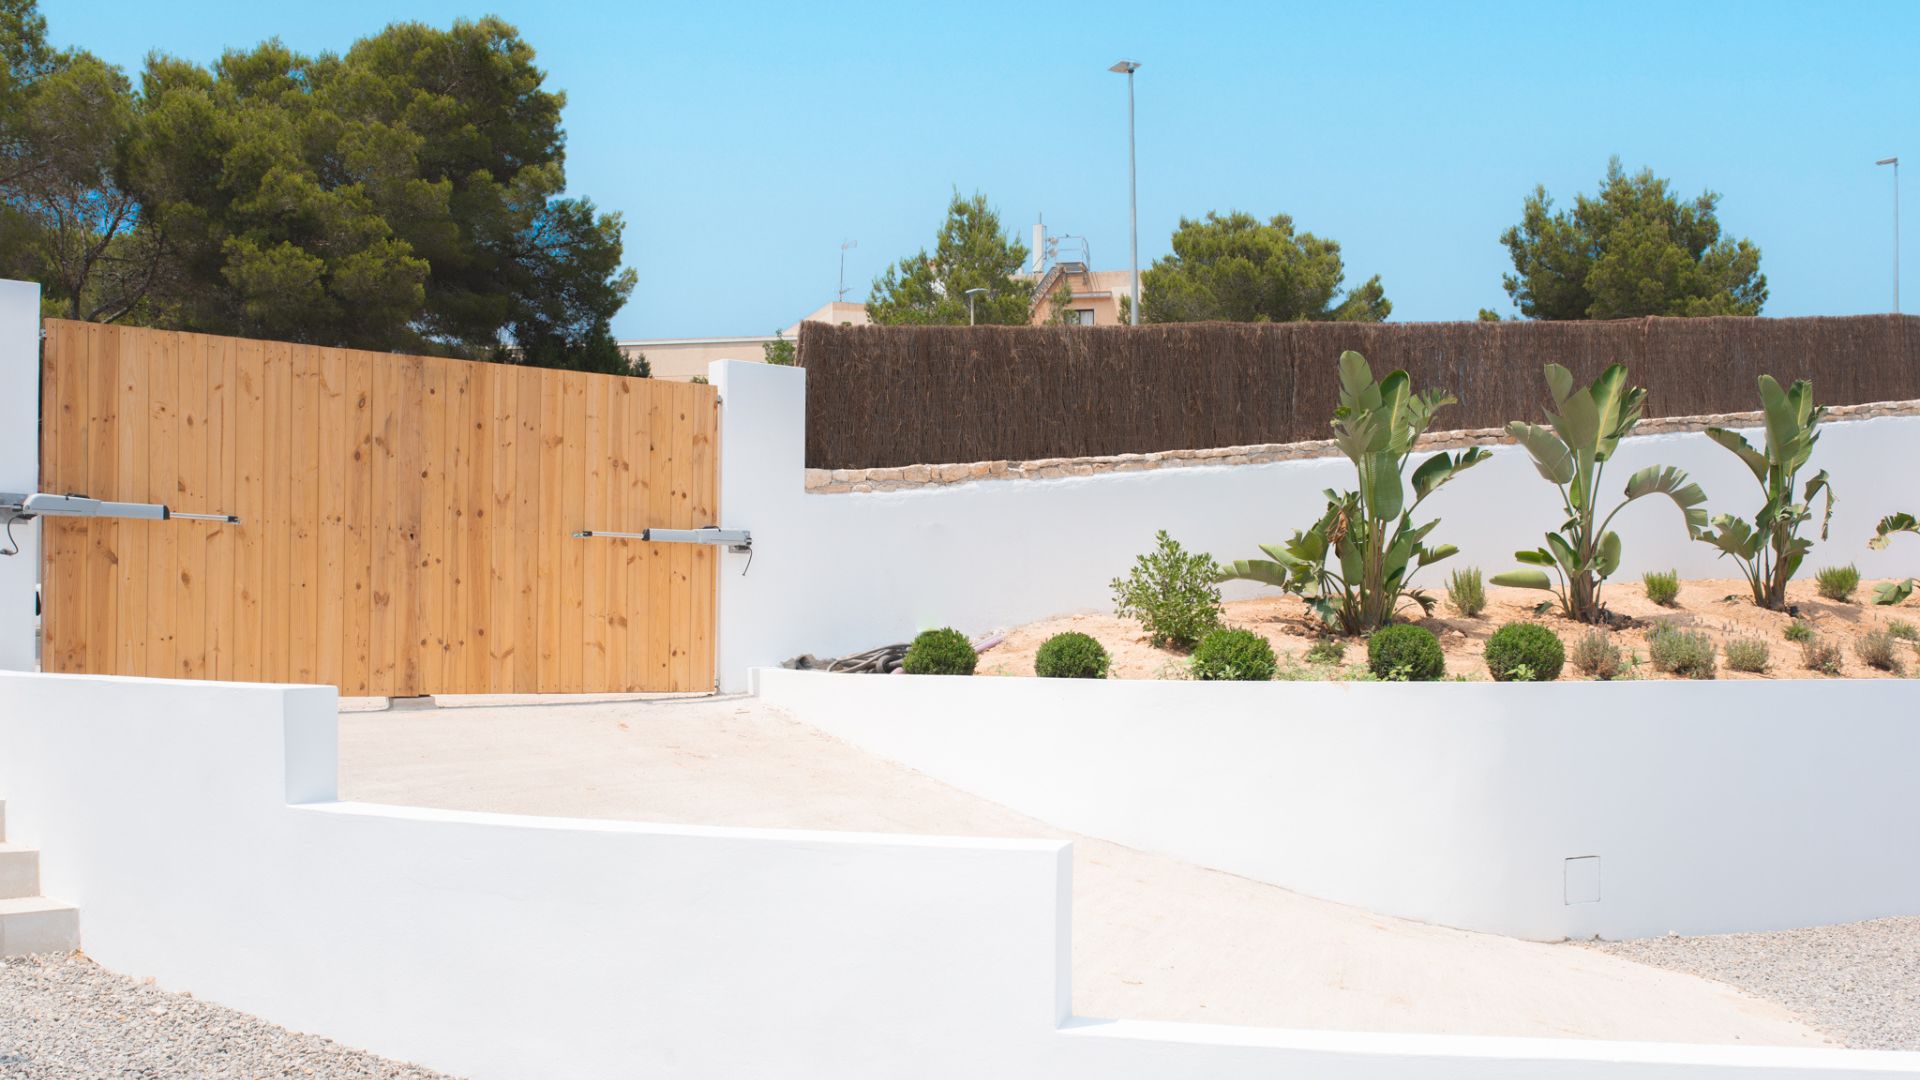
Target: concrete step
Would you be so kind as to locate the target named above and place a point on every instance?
(19, 871)
(37, 925)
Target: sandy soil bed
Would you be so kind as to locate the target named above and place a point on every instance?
(1723, 609)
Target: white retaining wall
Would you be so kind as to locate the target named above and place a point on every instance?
(834, 574)
(195, 825)
(19, 466)
(1704, 807)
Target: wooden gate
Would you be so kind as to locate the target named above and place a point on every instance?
(406, 522)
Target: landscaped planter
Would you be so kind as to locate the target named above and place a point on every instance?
(1541, 810)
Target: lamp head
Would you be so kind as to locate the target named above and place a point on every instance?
(1124, 67)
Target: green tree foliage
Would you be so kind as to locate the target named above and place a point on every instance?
(1633, 249)
(406, 195)
(971, 252)
(64, 220)
(1238, 269)
(780, 352)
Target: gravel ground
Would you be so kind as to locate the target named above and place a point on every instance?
(1860, 982)
(70, 1018)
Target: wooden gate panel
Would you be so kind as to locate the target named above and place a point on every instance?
(406, 522)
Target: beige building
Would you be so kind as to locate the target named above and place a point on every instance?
(683, 358)
(1090, 297)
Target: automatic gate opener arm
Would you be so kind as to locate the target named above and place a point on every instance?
(25, 507)
(738, 541)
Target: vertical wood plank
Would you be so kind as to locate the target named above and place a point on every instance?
(503, 626)
(526, 555)
(432, 614)
(410, 462)
(556, 533)
(357, 532)
(382, 677)
(163, 553)
(706, 560)
(659, 557)
(63, 599)
(594, 553)
(479, 538)
(458, 610)
(682, 604)
(222, 473)
(250, 539)
(330, 493)
(639, 561)
(103, 463)
(190, 494)
(613, 511)
(573, 568)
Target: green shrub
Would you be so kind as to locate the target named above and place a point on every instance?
(1071, 655)
(1234, 655)
(1663, 588)
(1821, 655)
(1595, 654)
(1748, 654)
(1903, 630)
(1838, 582)
(1525, 652)
(1327, 651)
(1405, 653)
(945, 651)
(1175, 594)
(1797, 631)
(1686, 653)
(1879, 650)
(1465, 592)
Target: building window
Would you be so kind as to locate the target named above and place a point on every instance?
(1082, 316)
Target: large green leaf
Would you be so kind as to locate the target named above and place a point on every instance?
(1385, 497)
(1892, 523)
(1609, 555)
(1817, 486)
(1734, 441)
(1550, 456)
(1260, 570)
(1894, 592)
(1673, 483)
(1524, 579)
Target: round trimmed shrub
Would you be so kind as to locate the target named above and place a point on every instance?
(1237, 655)
(1071, 655)
(1524, 651)
(1405, 653)
(945, 651)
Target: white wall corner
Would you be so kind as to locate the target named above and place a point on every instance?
(19, 466)
(763, 437)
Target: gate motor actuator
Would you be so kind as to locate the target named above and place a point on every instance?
(738, 541)
(17, 507)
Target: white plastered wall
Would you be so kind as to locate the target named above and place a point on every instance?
(19, 466)
(834, 574)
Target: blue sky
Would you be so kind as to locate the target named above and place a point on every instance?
(745, 141)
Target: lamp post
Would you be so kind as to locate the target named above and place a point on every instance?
(1127, 68)
(971, 293)
(1895, 162)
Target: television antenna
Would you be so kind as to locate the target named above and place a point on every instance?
(841, 293)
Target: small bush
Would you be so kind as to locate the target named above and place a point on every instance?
(1747, 654)
(1525, 652)
(1662, 588)
(1879, 650)
(1405, 654)
(1327, 651)
(1175, 594)
(1903, 630)
(1071, 655)
(945, 651)
(1465, 592)
(1821, 655)
(1838, 582)
(1595, 654)
(1686, 653)
(1797, 631)
(1235, 655)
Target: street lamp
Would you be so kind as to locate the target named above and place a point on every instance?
(971, 293)
(1127, 68)
(1895, 162)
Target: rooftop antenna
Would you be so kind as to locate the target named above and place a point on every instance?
(841, 293)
